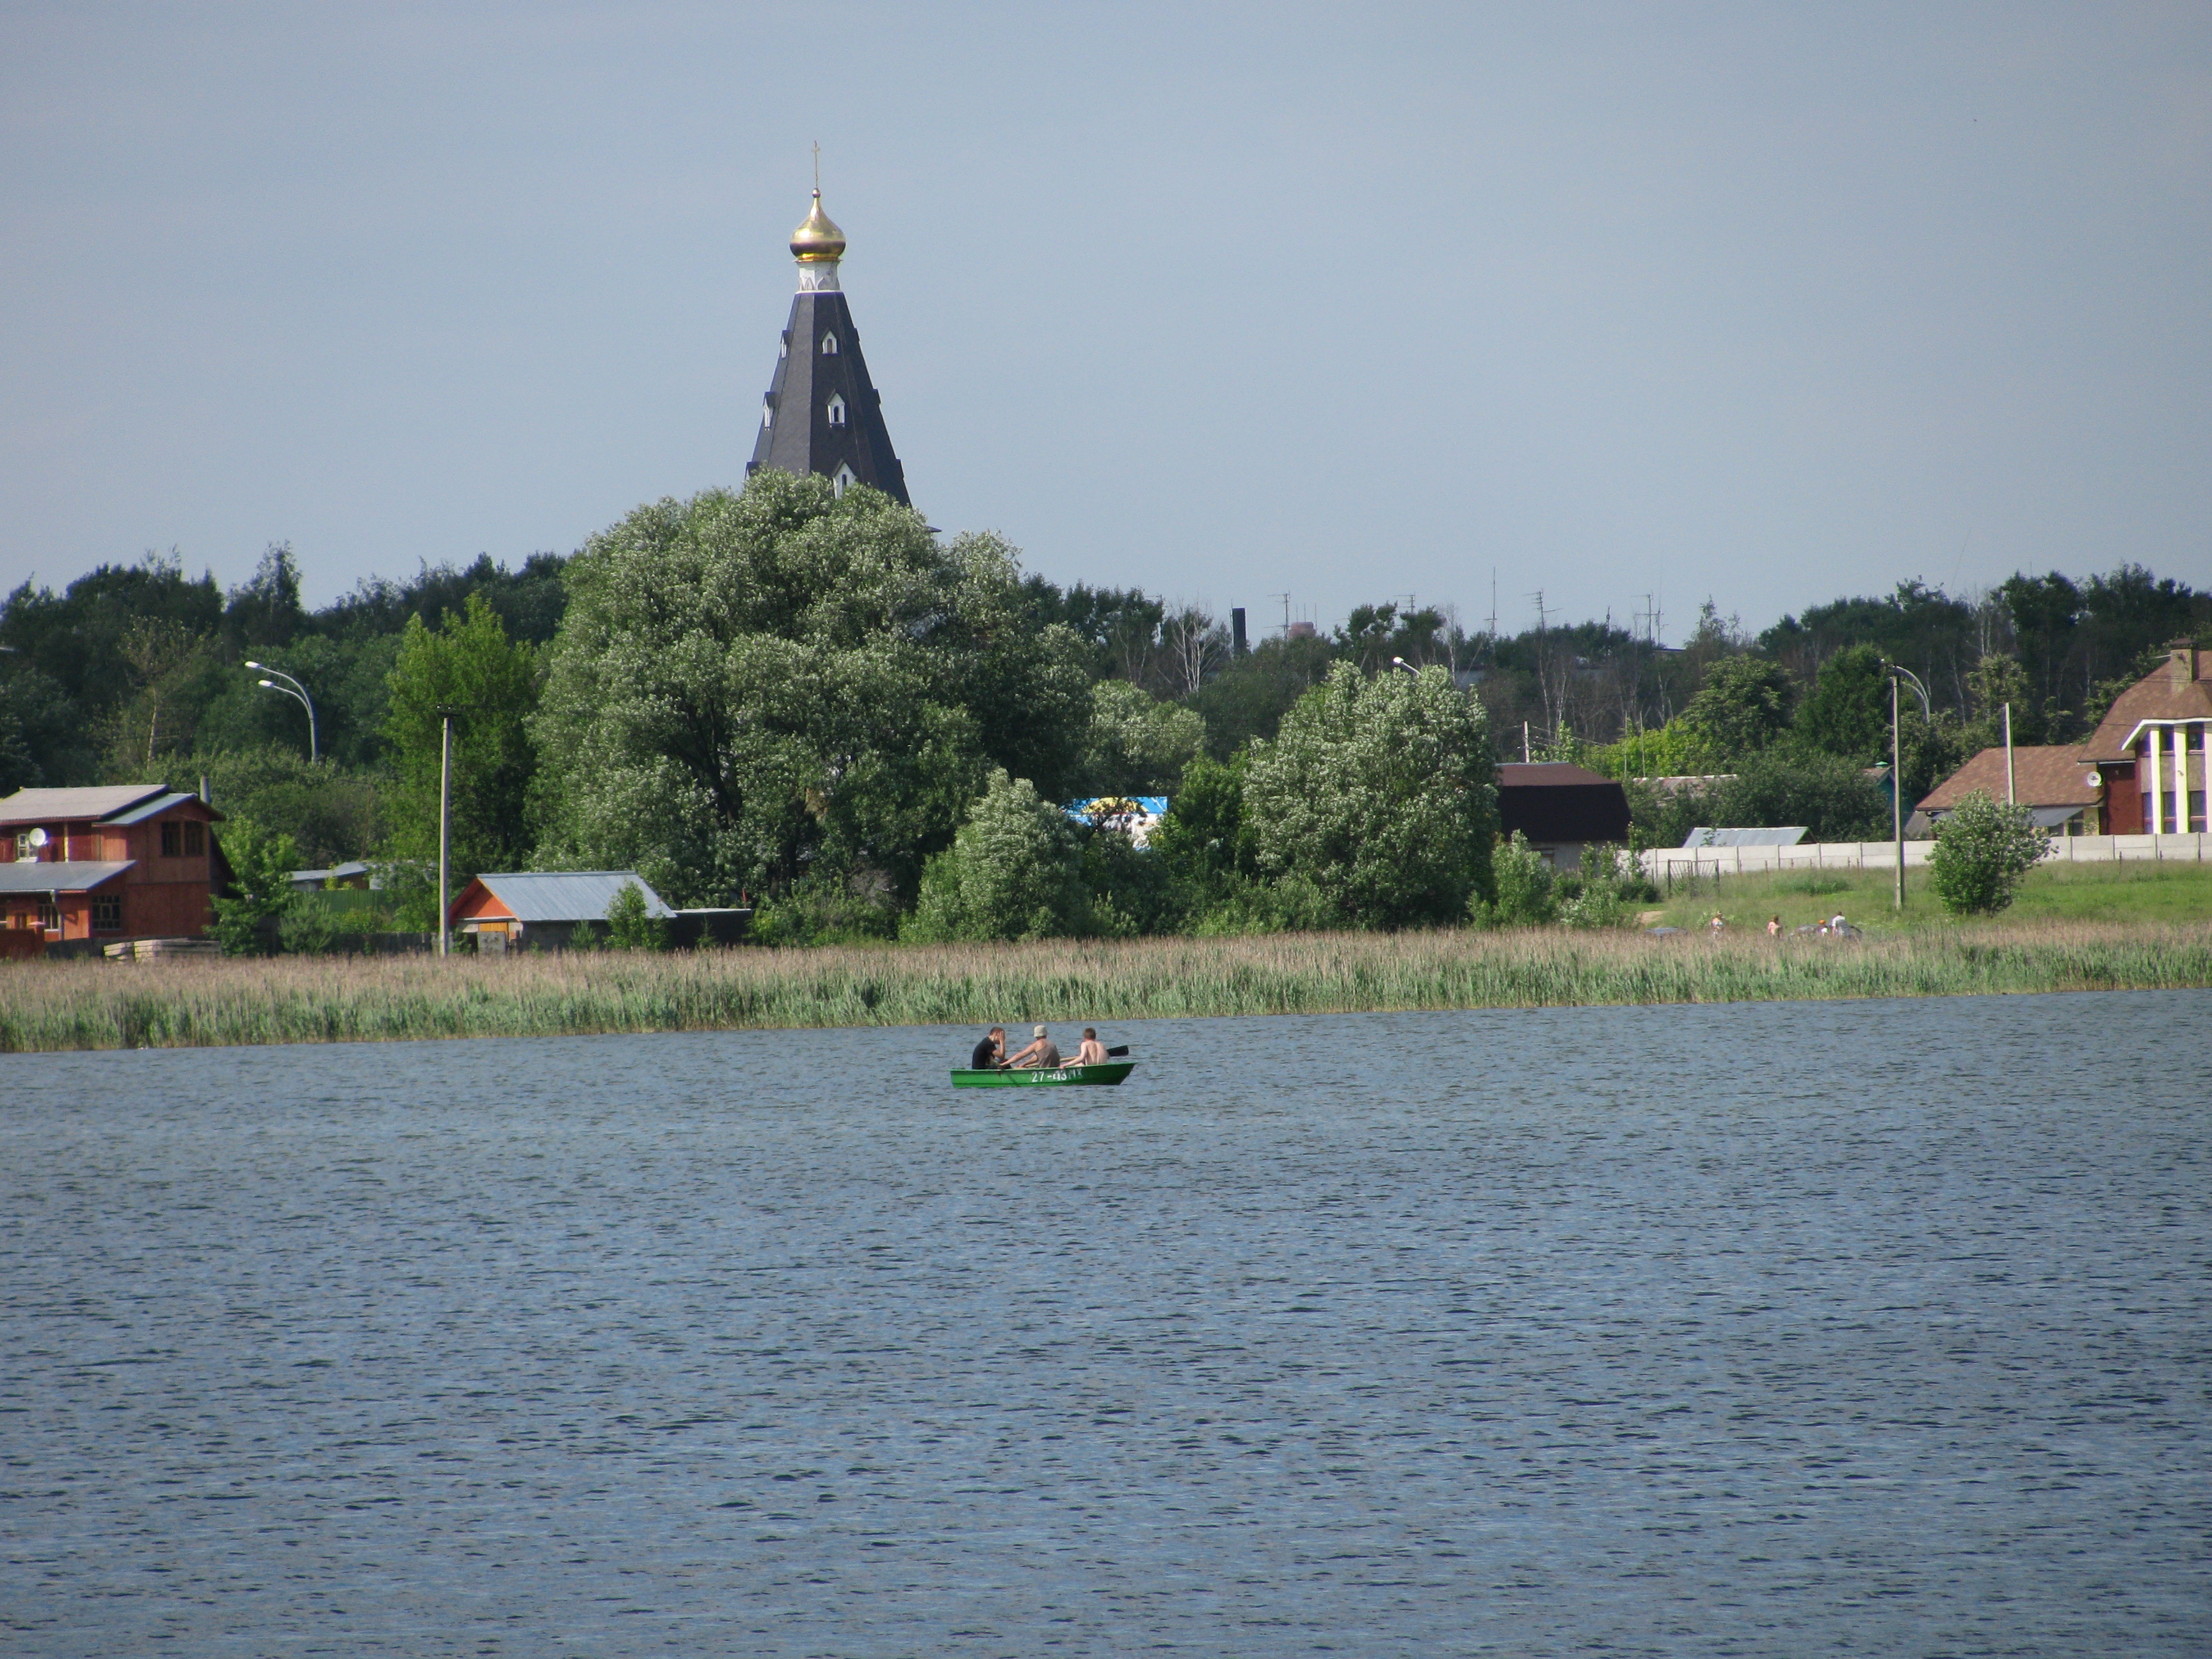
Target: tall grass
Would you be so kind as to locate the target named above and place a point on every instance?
(95, 1005)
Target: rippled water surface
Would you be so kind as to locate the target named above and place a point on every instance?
(1873, 1327)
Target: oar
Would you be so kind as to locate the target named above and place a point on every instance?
(1116, 1054)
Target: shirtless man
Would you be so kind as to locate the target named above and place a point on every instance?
(1093, 1052)
(1042, 1055)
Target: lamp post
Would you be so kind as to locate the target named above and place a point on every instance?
(1400, 662)
(1897, 761)
(298, 693)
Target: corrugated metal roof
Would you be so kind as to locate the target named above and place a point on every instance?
(161, 802)
(62, 875)
(1784, 837)
(567, 895)
(52, 806)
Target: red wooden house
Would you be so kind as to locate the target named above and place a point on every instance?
(126, 861)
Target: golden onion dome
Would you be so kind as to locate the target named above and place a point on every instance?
(819, 241)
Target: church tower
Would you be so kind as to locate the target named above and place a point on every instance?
(823, 414)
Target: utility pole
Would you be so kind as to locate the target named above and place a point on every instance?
(1897, 762)
(445, 825)
(2012, 781)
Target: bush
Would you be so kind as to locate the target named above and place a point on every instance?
(1013, 871)
(1983, 848)
(826, 908)
(1527, 890)
(631, 926)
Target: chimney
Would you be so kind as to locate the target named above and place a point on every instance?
(1236, 630)
(2181, 662)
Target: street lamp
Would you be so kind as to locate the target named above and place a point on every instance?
(1400, 662)
(297, 692)
(1897, 761)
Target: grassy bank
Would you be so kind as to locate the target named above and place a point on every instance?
(92, 1005)
(2170, 894)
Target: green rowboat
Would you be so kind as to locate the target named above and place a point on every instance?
(1109, 1074)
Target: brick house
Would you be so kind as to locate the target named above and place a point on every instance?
(2141, 772)
(126, 861)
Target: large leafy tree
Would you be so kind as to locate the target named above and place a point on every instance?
(1380, 794)
(1744, 705)
(490, 683)
(751, 689)
(1847, 711)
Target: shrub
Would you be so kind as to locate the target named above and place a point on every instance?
(261, 866)
(826, 908)
(1982, 849)
(1013, 871)
(1527, 890)
(631, 926)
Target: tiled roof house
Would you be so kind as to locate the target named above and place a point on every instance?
(2141, 772)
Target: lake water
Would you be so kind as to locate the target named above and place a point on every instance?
(1844, 1327)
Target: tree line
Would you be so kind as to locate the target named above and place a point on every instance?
(815, 703)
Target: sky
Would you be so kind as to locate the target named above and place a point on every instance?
(1768, 304)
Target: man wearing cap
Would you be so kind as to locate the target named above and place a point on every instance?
(1042, 1055)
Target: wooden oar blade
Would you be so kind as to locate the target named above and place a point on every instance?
(1116, 1054)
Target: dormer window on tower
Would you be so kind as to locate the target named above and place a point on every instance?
(837, 408)
(830, 346)
(843, 480)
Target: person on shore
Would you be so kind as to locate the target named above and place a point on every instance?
(991, 1053)
(1774, 927)
(1093, 1052)
(1042, 1055)
(1717, 926)
(1838, 926)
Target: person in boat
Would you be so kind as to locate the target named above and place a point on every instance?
(1042, 1055)
(991, 1053)
(1093, 1052)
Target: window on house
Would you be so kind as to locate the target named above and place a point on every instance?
(195, 839)
(843, 480)
(828, 345)
(767, 415)
(50, 915)
(838, 410)
(172, 839)
(107, 913)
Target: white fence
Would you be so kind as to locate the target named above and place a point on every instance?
(1661, 862)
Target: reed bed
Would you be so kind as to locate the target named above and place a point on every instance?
(47, 1006)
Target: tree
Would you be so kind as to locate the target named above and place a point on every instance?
(1381, 794)
(331, 814)
(260, 886)
(631, 925)
(749, 689)
(1137, 745)
(1983, 847)
(469, 666)
(1847, 711)
(1015, 871)
(1744, 705)
(266, 611)
(1833, 798)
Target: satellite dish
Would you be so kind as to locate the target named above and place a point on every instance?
(2094, 781)
(38, 838)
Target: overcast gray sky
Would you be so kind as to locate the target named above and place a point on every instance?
(1768, 302)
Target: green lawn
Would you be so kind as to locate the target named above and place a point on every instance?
(2055, 892)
